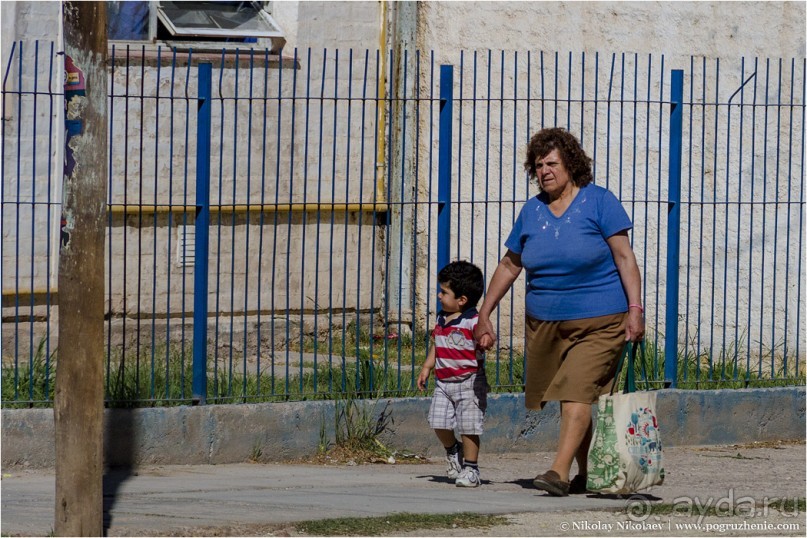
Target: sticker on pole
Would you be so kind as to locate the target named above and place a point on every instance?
(73, 79)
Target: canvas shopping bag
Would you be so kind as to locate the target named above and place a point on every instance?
(625, 454)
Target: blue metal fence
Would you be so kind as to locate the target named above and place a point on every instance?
(276, 224)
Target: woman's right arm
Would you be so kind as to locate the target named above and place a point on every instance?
(503, 277)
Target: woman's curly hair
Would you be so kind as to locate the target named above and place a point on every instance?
(574, 158)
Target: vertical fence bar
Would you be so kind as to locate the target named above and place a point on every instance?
(702, 203)
(487, 100)
(514, 166)
(152, 389)
(689, 244)
(199, 385)
(185, 191)
(304, 220)
(500, 165)
(789, 194)
(387, 253)
(473, 162)
(377, 191)
(332, 228)
(673, 228)
(461, 103)
(444, 167)
(416, 206)
(752, 211)
(219, 390)
(404, 211)
(168, 366)
(361, 217)
(49, 235)
(800, 257)
(17, 228)
(660, 129)
(235, 163)
(319, 212)
(346, 256)
(776, 217)
(265, 102)
(430, 168)
(247, 225)
(33, 222)
(275, 227)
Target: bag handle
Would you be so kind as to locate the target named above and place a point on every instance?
(630, 351)
(619, 367)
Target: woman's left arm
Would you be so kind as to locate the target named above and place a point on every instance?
(631, 281)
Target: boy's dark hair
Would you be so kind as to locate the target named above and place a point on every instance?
(463, 278)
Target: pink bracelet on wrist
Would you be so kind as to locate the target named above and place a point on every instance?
(641, 309)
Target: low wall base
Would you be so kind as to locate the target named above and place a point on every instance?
(218, 434)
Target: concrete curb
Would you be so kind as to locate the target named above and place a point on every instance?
(218, 434)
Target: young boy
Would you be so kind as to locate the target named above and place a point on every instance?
(460, 393)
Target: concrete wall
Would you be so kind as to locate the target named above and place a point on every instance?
(676, 29)
(284, 431)
(29, 21)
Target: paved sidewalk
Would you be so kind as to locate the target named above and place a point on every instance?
(220, 499)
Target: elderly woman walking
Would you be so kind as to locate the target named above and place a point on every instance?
(583, 299)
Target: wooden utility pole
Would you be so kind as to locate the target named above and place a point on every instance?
(79, 389)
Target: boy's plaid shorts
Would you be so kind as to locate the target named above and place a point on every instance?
(460, 405)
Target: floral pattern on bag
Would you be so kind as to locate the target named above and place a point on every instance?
(642, 440)
(625, 454)
(603, 457)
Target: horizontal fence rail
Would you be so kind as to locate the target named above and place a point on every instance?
(340, 181)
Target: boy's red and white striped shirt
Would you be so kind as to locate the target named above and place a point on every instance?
(457, 355)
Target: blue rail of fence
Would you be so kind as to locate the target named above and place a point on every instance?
(276, 223)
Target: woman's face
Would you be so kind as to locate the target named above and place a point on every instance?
(552, 175)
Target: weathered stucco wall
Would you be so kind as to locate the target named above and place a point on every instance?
(602, 70)
(29, 21)
(675, 29)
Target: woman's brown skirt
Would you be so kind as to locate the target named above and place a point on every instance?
(572, 360)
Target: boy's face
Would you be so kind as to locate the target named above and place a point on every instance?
(450, 302)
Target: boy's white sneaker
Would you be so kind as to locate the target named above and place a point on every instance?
(468, 478)
(454, 465)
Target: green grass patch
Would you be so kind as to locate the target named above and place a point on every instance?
(349, 363)
(31, 382)
(727, 369)
(395, 524)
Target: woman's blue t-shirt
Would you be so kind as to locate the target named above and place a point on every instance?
(571, 273)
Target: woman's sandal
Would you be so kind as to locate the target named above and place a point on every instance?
(551, 483)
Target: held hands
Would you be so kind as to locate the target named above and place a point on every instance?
(484, 334)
